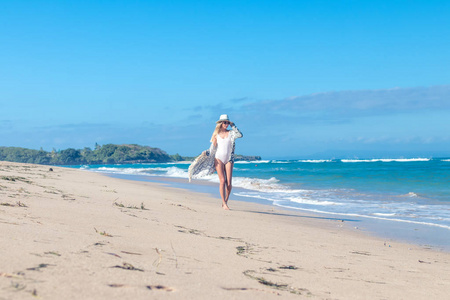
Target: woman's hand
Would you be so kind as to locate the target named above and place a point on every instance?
(231, 124)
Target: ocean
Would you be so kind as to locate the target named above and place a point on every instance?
(411, 191)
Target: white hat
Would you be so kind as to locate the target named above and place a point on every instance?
(223, 118)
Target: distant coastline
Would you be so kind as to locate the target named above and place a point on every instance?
(105, 154)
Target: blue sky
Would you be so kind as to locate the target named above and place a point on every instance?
(299, 78)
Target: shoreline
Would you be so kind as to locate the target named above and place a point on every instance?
(389, 230)
(75, 234)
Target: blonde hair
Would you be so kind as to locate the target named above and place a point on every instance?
(215, 133)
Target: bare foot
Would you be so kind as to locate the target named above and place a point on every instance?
(225, 206)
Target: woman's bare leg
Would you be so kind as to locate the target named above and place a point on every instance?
(229, 177)
(220, 168)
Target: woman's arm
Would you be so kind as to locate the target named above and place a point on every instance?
(236, 132)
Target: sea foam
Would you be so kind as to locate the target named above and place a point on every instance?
(391, 191)
(385, 160)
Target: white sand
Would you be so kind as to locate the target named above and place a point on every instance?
(62, 237)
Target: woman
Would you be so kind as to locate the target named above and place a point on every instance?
(220, 157)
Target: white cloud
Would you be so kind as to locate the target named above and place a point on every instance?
(380, 119)
(334, 106)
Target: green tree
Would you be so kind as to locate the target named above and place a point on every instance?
(70, 156)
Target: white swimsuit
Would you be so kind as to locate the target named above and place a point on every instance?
(205, 163)
(224, 149)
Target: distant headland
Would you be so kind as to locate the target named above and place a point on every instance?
(105, 154)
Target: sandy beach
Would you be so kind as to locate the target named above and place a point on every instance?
(73, 234)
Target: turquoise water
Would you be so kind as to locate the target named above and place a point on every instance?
(413, 190)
